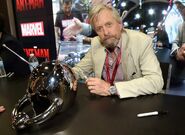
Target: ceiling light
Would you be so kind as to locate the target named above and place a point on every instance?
(151, 11)
(125, 24)
(164, 12)
(137, 16)
(143, 26)
(123, 4)
(151, 24)
(159, 23)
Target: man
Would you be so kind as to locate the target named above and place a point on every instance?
(178, 49)
(123, 61)
(178, 46)
(65, 17)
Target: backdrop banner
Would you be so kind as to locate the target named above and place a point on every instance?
(35, 27)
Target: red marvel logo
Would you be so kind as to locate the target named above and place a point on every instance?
(24, 5)
(41, 52)
(32, 29)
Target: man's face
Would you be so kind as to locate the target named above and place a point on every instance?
(67, 8)
(107, 28)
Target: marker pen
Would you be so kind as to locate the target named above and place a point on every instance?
(154, 113)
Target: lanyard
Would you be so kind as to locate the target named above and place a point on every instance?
(118, 59)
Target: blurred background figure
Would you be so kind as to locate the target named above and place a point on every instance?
(172, 21)
(2, 109)
(162, 37)
(178, 49)
(65, 17)
(85, 28)
(178, 46)
(12, 63)
(141, 29)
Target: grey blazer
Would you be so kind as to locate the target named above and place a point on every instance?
(141, 68)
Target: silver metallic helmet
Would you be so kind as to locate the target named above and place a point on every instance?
(49, 91)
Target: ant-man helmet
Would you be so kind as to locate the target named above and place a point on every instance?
(49, 91)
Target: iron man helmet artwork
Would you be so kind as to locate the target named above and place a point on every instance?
(49, 91)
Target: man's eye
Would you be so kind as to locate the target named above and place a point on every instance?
(109, 24)
(98, 29)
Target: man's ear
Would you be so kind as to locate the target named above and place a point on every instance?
(121, 25)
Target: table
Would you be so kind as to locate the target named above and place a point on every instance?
(95, 115)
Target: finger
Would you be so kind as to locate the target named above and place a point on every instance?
(75, 85)
(76, 21)
(2, 108)
(91, 81)
(100, 93)
(67, 31)
(91, 87)
(93, 92)
(74, 37)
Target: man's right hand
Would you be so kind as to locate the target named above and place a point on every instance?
(181, 53)
(98, 86)
(73, 29)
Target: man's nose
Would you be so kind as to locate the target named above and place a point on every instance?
(105, 31)
(68, 9)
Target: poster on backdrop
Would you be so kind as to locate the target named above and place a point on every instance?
(34, 26)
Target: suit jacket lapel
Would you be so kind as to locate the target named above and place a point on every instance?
(100, 60)
(125, 53)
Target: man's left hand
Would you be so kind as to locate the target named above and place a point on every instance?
(98, 86)
(181, 53)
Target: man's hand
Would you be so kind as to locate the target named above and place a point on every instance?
(2, 109)
(98, 86)
(159, 44)
(73, 29)
(181, 53)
